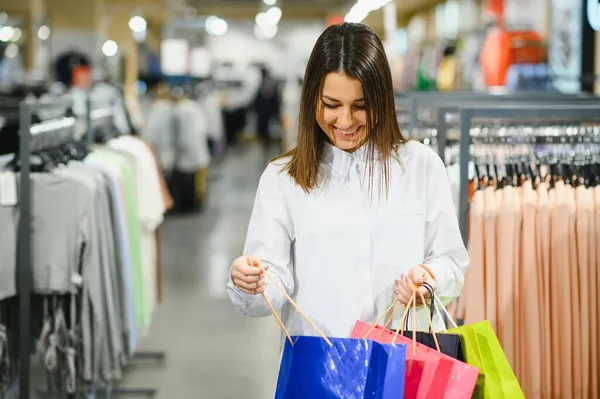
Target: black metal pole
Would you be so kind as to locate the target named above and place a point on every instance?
(464, 158)
(24, 256)
(88, 121)
(442, 133)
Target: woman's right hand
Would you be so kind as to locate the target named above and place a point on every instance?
(247, 276)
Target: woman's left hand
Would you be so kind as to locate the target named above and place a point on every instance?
(416, 276)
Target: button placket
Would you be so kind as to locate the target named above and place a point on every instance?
(362, 203)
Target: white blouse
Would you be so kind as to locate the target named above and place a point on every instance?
(338, 250)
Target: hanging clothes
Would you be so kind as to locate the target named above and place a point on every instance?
(533, 242)
(94, 255)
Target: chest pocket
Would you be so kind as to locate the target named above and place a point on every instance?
(400, 236)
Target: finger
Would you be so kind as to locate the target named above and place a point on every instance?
(417, 275)
(246, 278)
(252, 260)
(248, 270)
(240, 283)
(255, 262)
(252, 289)
(405, 286)
(423, 291)
(403, 291)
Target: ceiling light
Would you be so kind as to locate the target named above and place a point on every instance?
(362, 8)
(110, 48)
(270, 2)
(137, 24)
(262, 19)
(216, 26)
(6, 33)
(43, 32)
(274, 15)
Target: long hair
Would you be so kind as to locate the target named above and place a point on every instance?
(355, 50)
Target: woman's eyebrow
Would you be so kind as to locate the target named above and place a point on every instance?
(338, 101)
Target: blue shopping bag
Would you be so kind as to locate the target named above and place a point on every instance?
(348, 369)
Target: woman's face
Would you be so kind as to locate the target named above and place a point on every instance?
(341, 111)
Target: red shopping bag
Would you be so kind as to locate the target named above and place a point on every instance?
(447, 378)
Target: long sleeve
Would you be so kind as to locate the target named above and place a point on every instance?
(445, 252)
(270, 235)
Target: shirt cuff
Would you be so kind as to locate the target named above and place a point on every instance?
(440, 275)
(240, 299)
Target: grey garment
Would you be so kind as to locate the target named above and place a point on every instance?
(111, 367)
(120, 240)
(9, 221)
(94, 257)
(65, 242)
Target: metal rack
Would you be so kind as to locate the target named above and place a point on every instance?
(522, 113)
(447, 112)
(421, 105)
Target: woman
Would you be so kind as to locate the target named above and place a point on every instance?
(356, 214)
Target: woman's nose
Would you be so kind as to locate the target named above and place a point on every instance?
(344, 120)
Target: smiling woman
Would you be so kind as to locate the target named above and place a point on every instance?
(340, 252)
(344, 116)
(347, 100)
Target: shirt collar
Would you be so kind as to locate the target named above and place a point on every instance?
(341, 161)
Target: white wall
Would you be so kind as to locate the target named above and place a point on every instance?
(286, 53)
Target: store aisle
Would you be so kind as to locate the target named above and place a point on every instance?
(212, 351)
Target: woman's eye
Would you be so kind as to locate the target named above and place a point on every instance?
(361, 107)
(330, 106)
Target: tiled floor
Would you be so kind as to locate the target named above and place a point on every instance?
(212, 352)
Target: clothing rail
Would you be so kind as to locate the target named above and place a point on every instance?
(447, 112)
(420, 105)
(24, 242)
(529, 114)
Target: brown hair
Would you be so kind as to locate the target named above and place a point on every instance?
(355, 50)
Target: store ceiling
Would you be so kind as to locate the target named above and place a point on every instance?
(295, 9)
(292, 9)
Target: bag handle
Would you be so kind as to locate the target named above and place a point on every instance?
(436, 302)
(293, 303)
(429, 288)
(414, 321)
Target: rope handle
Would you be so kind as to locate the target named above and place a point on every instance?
(400, 330)
(437, 302)
(293, 303)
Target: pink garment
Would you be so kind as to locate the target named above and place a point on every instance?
(560, 298)
(530, 315)
(474, 290)
(543, 233)
(595, 288)
(515, 293)
(572, 330)
(491, 208)
(505, 263)
(585, 208)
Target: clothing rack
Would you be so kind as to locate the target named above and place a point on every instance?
(535, 114)
(24, 242)
(97, 115)
(41, 136)
(446, 111)
(419, 104)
